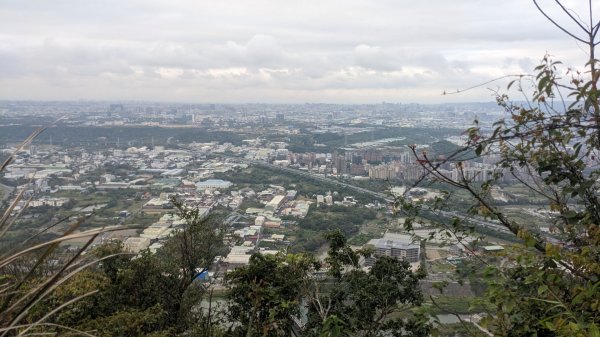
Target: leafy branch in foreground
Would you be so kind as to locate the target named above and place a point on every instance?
(548, 283)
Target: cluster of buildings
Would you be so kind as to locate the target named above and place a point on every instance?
(158, 173)
(252, 238)
(154, 236)
(55, 175)
(47, 201)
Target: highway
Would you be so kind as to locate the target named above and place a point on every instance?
(378, 195)
(479, 222)
(382, 196)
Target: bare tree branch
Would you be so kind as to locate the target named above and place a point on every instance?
(557, 25)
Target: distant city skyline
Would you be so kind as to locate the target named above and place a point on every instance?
(328, 51)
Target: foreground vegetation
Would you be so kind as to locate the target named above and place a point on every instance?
(547, 283)
(161, 294)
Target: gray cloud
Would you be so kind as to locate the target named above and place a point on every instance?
(268, 50)
(375, 58)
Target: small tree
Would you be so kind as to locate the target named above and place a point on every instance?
(549, 283)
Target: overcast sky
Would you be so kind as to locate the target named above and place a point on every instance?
(236, 51)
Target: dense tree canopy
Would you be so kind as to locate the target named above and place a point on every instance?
(334, 299)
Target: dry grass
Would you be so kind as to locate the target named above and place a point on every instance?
(22, 290)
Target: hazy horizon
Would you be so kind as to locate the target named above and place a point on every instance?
(125, 101)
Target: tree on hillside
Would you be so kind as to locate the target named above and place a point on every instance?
(378, 302)
(265, 297)
(162, 285)
(549, 283)
(351, 301)
(293, 294)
